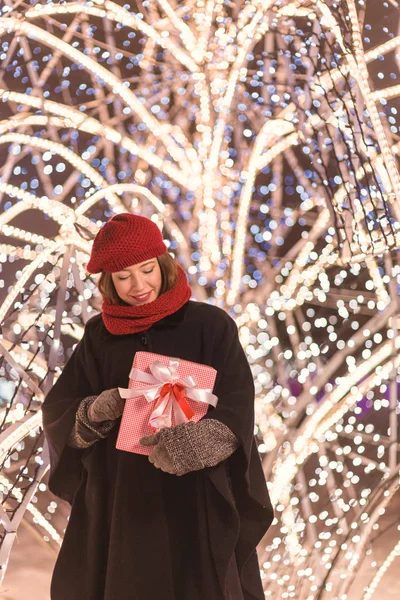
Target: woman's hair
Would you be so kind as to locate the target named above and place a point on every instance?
(169, 274)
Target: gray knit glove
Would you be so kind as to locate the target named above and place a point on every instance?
(95, 418)
(191, 446)
(109, 406)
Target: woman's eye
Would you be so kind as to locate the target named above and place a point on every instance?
(122, 278)
(148, 272)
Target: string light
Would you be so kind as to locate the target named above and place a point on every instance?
(395, 553)
(258, 139)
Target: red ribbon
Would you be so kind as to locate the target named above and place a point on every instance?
(178, 391)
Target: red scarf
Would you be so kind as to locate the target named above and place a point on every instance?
(122, 320)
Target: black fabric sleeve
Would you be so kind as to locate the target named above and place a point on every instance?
(79, 379)
(248, 498)
(234, 385)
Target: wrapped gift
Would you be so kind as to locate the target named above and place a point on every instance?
(163, 392)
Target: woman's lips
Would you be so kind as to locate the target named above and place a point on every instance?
(142, 298)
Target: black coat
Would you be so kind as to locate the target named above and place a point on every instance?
(135, 532)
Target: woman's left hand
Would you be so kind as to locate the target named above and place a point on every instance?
(159, 457)
(191, 446)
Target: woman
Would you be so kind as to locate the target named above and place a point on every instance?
(183, 523)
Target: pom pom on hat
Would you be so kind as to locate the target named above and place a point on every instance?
(123, 241)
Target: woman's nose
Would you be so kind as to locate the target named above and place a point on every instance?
(137, 284)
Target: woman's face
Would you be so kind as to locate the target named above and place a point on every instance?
(138, 284)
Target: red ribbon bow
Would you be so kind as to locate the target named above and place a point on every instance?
(178, 391)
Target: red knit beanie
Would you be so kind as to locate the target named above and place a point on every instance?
(123, 241)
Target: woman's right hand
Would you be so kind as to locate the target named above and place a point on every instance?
(107, 407)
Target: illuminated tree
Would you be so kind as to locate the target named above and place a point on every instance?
(263, 137)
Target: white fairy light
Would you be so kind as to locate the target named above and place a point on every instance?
(207, 136)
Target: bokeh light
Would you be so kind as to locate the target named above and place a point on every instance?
(263, 137)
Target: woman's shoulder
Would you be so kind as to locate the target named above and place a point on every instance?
(94, 326)
(208, 314)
